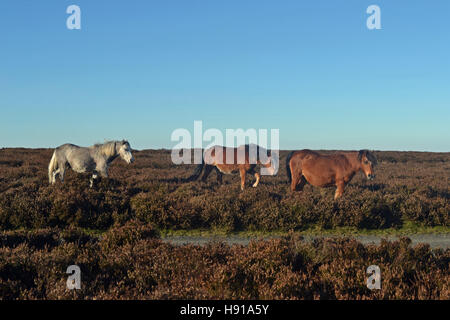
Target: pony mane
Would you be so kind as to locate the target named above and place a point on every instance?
(108, 148)
(368, 155)
(258, 148)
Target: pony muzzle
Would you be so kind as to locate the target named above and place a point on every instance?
(270, 170)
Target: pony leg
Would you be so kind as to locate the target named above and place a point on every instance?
(339, 190)
(219, 176)
(93, 178)
(294, 183)
(301, 184)
(242, 174)
(298, 181)
(296, 176)
(102, 171)
(258, 177)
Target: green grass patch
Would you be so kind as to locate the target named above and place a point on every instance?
(408, 228)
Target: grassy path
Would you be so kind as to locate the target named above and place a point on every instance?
(434, 240)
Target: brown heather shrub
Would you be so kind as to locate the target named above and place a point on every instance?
(73, 203)
(130, 264)
(428, 211)
(409, 186)
(130, 233)
(44, 231)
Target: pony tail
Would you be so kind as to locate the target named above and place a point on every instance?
(52, 167)
(288, 166)
(198, 170)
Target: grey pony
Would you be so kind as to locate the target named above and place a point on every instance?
(95, 159)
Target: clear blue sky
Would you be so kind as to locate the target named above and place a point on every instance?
(140, 69)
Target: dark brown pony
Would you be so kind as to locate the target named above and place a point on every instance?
(306, 166)
(243, 160)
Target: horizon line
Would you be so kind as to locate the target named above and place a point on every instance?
(318, 149)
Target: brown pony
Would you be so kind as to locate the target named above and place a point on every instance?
(327, 170)
(243, 159)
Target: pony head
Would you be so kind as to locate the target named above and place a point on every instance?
(271, 167)
(124, 151)
(368, 162)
